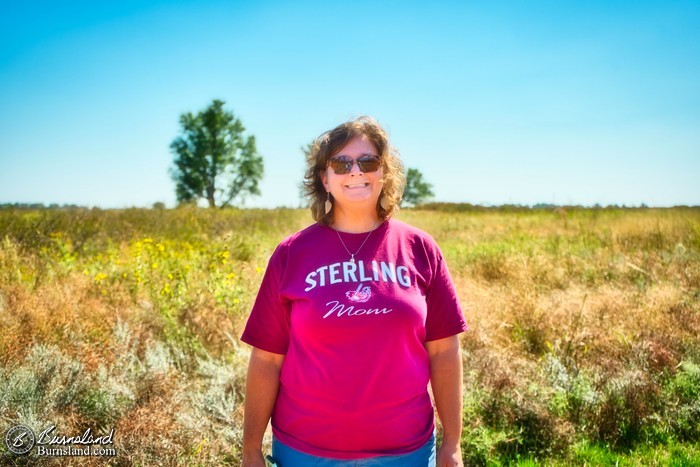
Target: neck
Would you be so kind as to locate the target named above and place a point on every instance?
(354, 222)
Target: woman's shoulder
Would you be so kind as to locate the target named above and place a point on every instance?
(409, 231)
(305, 235)
(415, 238)
(291, 244)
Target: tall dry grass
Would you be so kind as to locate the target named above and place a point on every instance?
(583, 343)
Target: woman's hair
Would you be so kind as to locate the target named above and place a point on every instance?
(332, 141)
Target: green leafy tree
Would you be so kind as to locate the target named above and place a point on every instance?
(417, 190)
(213, 158)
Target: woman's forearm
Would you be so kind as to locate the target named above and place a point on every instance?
(262, 386)
(446, 381)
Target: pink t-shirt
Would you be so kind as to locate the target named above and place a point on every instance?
(354, 382)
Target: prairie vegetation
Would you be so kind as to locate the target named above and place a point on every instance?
(583, 345)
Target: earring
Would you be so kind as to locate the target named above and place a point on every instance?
(328, 205)
(384, 203)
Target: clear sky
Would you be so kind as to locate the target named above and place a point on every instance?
(495, 102)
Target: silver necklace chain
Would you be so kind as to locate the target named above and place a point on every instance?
(352, 255)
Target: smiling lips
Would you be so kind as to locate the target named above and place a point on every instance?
(357, 185)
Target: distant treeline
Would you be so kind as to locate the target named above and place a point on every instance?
(467, 207)
(442, 207)
(34, 206)
(39, 206)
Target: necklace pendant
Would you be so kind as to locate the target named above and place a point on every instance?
(352, 255)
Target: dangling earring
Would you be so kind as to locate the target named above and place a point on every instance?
(384, 203)
(328, 205)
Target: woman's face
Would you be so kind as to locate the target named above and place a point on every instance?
(355, 189)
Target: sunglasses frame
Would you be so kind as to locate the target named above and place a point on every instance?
(343, 164)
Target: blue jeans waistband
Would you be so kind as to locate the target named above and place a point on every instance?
(288, 457)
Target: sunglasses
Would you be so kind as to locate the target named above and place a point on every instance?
(343, 164)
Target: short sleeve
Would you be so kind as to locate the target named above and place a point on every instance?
(444, 316)
(269, 321)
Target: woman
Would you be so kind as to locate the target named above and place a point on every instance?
(354, 316)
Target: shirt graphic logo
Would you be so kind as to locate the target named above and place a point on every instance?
(359, 295)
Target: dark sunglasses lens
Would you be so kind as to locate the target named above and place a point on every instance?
(368, 164)
(340, 165)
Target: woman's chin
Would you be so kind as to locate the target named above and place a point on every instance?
(359, 200)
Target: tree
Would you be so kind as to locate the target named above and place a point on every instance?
(213, 159)
(303, 199)
(417, 190)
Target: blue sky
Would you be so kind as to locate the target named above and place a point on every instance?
(495, 102)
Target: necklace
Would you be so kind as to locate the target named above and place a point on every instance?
(352, 255)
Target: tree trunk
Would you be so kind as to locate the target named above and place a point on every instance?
(210, 196)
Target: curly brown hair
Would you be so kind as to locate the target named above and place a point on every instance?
(332, 141)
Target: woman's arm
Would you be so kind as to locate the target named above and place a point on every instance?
(446, 381)
(261, 390)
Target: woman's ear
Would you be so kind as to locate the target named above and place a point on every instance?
(324, 179)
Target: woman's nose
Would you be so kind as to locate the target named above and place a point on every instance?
(355, 168)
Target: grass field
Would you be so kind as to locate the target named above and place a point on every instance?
(584, 345)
